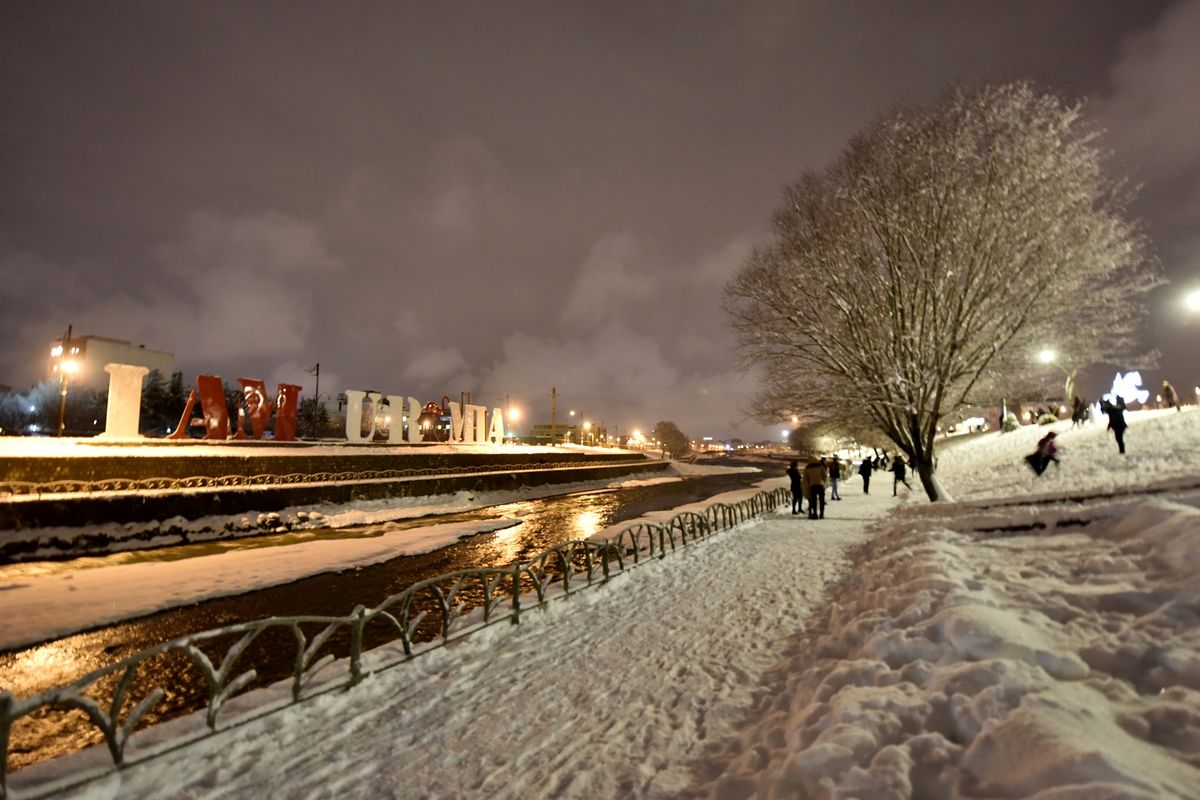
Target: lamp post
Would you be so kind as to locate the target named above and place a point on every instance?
(66, 366)
(1050, 357)
(587, 426)
(1192, 300)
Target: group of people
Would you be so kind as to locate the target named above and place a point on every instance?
(1047, 447)
(808, 484)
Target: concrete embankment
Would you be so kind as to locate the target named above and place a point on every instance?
(40, 490)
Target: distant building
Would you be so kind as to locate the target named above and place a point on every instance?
(85, 357)
(541, 434)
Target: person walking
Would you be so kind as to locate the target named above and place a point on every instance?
(1170, 396)
(793, 473)
(900, 469)
(864, 469)
(1116, 419)
(1079, 411)
(816, 473)
(835, 473)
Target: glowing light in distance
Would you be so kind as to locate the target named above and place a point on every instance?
(514, 414)
(1128, 386)
(1192, 301)
(56, 351)
(1047, 356)
(70, 367)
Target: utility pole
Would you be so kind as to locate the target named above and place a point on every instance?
(553, 415)
(62, 383)
(316, 415)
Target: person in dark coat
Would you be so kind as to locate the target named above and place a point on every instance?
(815, 475)
(864, 470)
(1116, 419)
(793, 473)
(900, 468)
(835, 474)
(1170, 396)
(1079, 411)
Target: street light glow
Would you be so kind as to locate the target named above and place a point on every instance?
(514, 414)
(1047, 356)
(70, 367)
(1192, 301)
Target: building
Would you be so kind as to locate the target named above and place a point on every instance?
(585, 434)
(84, 358)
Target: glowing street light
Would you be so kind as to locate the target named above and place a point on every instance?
(1051, 357)
(1192, 300)
(587, 426)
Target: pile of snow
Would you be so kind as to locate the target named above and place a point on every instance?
(952, 665)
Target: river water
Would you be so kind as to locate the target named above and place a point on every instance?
(543, 523)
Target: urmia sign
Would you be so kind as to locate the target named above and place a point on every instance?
(400, 416)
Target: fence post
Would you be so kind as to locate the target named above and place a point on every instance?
(516, 594)
(6, 707)
(356, 639)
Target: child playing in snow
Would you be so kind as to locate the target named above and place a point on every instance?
(1047, 451)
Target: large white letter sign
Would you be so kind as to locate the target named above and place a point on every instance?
(124, 401)
(354, 415)
(496, 434)
(396, 412)
(478, 423)
(460, 424)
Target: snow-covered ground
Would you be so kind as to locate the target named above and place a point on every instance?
(1048, 649)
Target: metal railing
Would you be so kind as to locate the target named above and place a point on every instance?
(426, 615)
(56, 488)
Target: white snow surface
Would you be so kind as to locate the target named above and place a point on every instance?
(1017, 643)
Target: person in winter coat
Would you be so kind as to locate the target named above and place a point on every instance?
(1079, 411)
(835, 473)
(1047, 451)
(864, 469)
(900, 468)
(816, 473)
(1170, 396)
(793, 473)
(1116, 420)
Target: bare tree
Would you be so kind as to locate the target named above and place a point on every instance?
(674, 441)
(939, 252)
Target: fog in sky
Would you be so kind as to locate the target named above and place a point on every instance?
(430, 198)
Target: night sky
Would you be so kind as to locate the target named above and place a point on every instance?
(431, 198)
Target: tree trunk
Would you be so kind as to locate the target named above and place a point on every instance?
(930, 482)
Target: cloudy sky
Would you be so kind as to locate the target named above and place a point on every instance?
(431, 198)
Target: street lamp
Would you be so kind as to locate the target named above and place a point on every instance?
(587, 427)
(66, 366)
(1050, 357)
(1192, 300)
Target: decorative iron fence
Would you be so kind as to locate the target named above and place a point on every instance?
(426, 615)
(13, 489)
